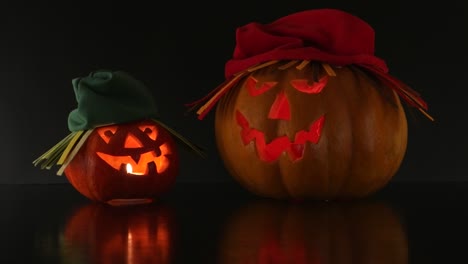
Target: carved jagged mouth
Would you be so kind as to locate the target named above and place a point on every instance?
(271, 151)
(150, 169)
(147, 164)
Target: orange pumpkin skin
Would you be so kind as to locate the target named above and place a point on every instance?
(277, 233)
(359, 146)
(98, 171)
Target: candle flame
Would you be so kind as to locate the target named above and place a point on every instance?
(129, 168)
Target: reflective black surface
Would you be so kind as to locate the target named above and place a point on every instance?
(222, 223)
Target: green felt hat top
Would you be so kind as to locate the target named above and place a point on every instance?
(104, 98)
(110, 97)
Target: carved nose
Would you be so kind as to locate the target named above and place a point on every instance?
(280, 107)
(132, 141)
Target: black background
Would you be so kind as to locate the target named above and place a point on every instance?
(179, 49)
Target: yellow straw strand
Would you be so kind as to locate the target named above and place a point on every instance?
(183, 139)
(229, 84)
(69, 147)
(74, 151)
(204, 106)
(426, 114)
(328, 69)
(287, 65)
(53, 157)
(47, 154)
(263, 65)
(302, 64)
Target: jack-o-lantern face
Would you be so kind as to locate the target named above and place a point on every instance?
(128, 161)
(310, 131)
(136, 150)
(280, 109)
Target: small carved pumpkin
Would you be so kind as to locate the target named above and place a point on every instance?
(329, 233)
(126, 161)
(283, 133)
(118, 150)
(99, 233)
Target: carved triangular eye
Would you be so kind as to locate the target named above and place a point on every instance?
(132, 141)
(106, 133)
(150, 131)
(303, 85)
(255, 89)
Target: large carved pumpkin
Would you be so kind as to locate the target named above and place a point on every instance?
(283, 133)
(99, 233)
(308, 111)
(125, 163)
(328, 233)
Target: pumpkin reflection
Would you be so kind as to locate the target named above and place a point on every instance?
(99, 233)
(328, 233)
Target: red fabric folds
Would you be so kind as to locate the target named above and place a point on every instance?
(327, 35)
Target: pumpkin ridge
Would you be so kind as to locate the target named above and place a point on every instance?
(360, 84)
(352, 163)
(92, 185)
(281, 173)
(352, 144)
(393, 169)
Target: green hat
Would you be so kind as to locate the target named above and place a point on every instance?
(104, 98)
(110, 97)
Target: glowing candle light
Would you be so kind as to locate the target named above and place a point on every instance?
(130, 170)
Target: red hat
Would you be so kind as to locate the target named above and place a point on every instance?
(326, 35)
